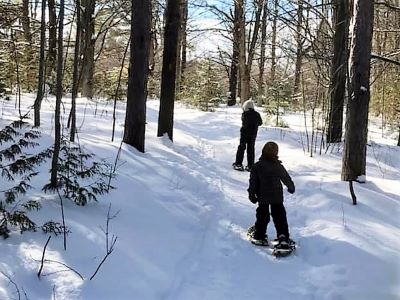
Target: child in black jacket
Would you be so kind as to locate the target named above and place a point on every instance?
(251, 120)
(265, 187)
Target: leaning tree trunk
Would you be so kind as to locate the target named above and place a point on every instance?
(355, 147)
(87, 48)
(59, 92)
(168, 74)
(40, 89)
(338, 71)
(135, 118)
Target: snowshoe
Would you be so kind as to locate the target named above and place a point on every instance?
(237, 167)
(247, 168)
(253, 240)
(284, 247)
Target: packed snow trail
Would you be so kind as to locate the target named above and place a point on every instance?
(182, 216)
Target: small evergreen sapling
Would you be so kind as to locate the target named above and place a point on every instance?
(17, 166)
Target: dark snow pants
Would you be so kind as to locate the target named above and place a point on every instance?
(246, 142)
(278, 214)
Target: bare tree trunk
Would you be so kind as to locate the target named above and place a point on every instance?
(26, 26)
(261, 93)
(234, 70)
(87, 48)
(338, 70)
(273, 42)
(75, 75)
(184, 43)
(51, 61)
(59, 93)
(355, 147)
(242, 50)
(40, 90)
(135, 118)
(245, 66)
(299, 51)
(181, 35)
(168, 76)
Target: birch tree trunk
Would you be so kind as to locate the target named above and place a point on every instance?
(355, 147)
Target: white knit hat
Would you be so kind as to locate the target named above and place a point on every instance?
(248, 104)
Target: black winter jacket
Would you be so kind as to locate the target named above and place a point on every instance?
(265, 181)
(250, 122)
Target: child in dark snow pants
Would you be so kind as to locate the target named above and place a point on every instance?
(251, 120)
(265, 188)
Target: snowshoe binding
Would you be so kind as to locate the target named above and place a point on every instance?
(283, 247)
(253, 240)
(237, 167)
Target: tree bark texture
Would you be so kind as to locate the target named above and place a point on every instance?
(234, 69)
(338, 70)
(273, 42)
(135, 118)
(59, 93)
(242, 50)
(87, 48)
(355, 147)
(168, 74)
(40, 89)
(245, 65)
(51, 66)
(26, 26)
(261, 92)
(75, 75)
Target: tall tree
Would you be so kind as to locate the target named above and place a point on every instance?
(181, 58)
(59, 92)
(168, 74)
(299, 51)
(234, 68)
(135, 118)
(246, 61)
(40, 88)
(51, 65)
(338, 70)
(87, 47)
(355, 147)
(273, 42)
(262, 54)
(26, 26)
(75, 75)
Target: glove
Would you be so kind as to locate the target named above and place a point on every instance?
(253, 198)
(291, 191)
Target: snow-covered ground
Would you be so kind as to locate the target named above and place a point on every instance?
(182, 215)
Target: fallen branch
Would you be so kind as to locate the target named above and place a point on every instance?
(353, 195)
(109, 244)
(13, 283)
(43, 254)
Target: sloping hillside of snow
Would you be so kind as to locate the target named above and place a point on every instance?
(181, 215)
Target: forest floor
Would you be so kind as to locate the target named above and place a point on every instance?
(181, 215)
